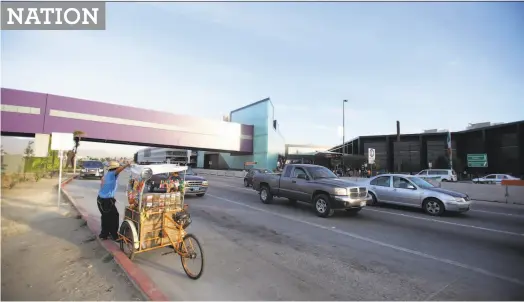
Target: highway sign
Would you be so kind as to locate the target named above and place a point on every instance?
(478, 164)
(371, 156)
(477, 160)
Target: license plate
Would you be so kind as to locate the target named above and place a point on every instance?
(195, 189)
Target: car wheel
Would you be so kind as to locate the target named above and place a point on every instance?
(353, 211)
(265, 195)
(292, 201)
(246, 184)
(200, 194)
(433, 207)
(374, 201)
(323, 206)
(444, 180)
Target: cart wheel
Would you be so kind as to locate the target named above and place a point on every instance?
(191, 254)
(127, 247)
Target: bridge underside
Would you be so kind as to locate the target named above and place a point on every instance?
(26, 113)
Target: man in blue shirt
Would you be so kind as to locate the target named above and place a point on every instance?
(106, 201)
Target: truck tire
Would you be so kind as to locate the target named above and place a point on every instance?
(265, 195)
(322, 205)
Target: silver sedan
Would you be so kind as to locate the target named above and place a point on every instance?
(412, 191)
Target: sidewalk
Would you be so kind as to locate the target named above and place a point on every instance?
(50, 254)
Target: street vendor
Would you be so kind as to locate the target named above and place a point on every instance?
(106, 201)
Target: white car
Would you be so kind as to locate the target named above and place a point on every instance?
(493, 179)
(438, 174)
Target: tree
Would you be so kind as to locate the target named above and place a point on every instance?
(4, 165)
(29, 153)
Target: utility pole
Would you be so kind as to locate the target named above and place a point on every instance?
(343, 133)
(399, 164)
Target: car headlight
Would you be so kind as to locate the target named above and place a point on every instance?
(84, 170)
(100, 170)
(341, 191)
(205, 183)
(456, 199)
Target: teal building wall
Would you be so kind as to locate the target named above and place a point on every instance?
(268, 143)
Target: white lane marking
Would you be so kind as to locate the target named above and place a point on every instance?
(447, 222)
(422, 218)
(499, 213)
(380, 243)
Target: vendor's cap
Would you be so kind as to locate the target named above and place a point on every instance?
(113, 165)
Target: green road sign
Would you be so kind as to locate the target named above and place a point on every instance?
(477, 160)
(478, 164)
(477, 157)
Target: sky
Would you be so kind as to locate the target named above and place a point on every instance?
(428, 65)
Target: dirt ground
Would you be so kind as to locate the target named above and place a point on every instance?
(50, 254)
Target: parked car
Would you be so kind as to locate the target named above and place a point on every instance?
(312, 184)
(92, 168)
(194, 184)
(493, 179)
(248, 179)
(413, 191)
(439, 174)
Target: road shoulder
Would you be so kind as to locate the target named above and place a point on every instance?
(50, 254)
(137, 276)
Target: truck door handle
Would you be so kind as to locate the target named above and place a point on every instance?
(294, 181)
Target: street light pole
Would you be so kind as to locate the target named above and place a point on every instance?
(343, 131)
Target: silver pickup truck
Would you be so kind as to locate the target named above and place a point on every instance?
(312, 184)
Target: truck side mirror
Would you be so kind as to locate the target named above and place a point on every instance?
(302, 176)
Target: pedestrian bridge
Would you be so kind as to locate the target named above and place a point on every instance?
(26, 113)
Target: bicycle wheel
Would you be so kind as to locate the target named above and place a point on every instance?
(191, 253)
(127, 247)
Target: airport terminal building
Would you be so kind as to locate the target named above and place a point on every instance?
(503, 144)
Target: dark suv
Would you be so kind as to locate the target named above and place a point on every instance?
(92, 168)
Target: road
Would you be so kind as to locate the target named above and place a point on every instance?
(255, 251)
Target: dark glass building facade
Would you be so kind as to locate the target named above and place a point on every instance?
(503, 144)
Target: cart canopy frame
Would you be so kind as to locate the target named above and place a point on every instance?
(138, 170)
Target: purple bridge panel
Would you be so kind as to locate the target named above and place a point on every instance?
(31, 112)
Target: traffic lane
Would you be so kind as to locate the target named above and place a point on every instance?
(234, 269)
(470, 246)
(270, 258)
(384, 263)
(496, 208)
(484, 216)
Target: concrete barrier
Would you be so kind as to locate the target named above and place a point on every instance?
(484, 192)
(236, 174)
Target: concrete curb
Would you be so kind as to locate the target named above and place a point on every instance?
(135, 274)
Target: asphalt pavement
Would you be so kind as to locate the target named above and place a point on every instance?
(255, 251)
